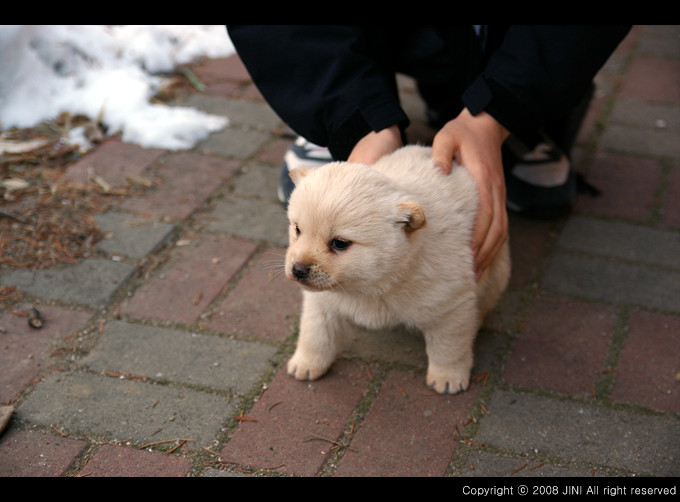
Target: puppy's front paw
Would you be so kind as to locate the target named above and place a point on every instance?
(303, 367)
(448, 380)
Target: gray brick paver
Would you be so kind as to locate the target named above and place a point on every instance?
(633, 243)
(180, 356)
(92, 282)
(611, 281)
(578, 432)
(118, 409)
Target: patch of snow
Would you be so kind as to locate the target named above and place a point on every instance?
(107, 73)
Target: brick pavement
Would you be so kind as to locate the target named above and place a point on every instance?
(164, 355)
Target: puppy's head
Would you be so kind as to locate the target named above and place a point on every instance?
(351, 229)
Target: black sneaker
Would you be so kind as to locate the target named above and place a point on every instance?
(301, 153)
(540, 182)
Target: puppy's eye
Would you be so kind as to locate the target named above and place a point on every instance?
(297, 230)
(339, 245)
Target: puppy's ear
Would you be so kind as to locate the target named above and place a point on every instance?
(297, 174)
(412, 215)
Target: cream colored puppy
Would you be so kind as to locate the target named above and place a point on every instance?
(389, 245)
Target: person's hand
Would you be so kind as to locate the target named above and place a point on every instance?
(375, 145)
(475, 142)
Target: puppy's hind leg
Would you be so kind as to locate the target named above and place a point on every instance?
(318, 343)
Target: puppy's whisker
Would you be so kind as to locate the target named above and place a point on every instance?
(274, 264)
(277, 262)
(336, 286)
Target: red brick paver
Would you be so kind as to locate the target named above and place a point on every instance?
(194, 275)
(409, 431)
(264, 304)
(294, 425)
(628, 184)
(187, 180)
(25, 351)
(653, 79)
(562, 346)
(649, 370)
(34, 454)
(118, 461)
(113, 161)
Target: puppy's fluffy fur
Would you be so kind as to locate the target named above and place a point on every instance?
(389, 245)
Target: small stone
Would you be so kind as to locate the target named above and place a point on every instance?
(35, 319)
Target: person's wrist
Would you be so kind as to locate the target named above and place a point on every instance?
(375, 145)
(488, 123)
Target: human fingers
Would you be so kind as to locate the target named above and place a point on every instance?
(456, 140)
(491, 233)
(491, 225)
(475, 142)
(445, 146)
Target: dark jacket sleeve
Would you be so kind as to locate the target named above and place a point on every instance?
(538, 73)
(326, 82)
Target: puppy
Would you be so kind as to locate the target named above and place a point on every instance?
(386, 245)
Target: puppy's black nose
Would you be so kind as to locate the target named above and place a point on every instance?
(300, 271)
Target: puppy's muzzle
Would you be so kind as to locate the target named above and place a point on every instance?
(300, 271)
(310, 276)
